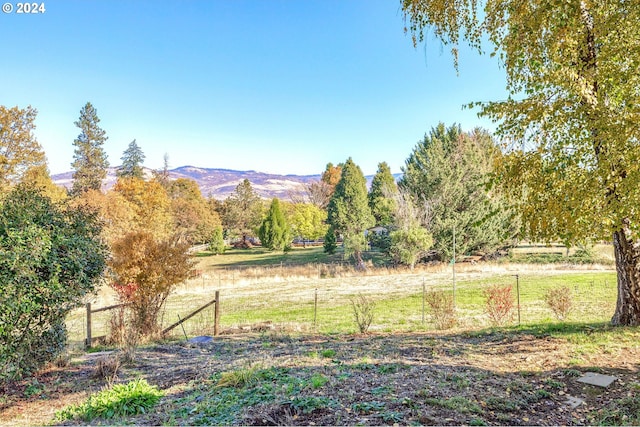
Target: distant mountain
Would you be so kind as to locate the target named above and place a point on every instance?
(219, 183)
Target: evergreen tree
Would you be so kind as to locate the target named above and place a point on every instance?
(275, 233)
(330, 242)
(349, 212)
(132, 160)
(382, 195)
(447, 174)
(89, 159)
(216, 243)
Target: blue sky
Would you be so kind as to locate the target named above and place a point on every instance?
(278, 86)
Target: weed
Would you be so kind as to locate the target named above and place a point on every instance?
(560, 301)
(362, 312)
(443, 310)
(553, 384)
(392, 417)
(477, 422)
(367, 407)
(390, 368)
(543, 394)
(456, 403)
(237, 378)
(34, 388)
(382, 390)
(308, 404)
(135, 397)
(572, 373)
(502, 404)
(328, 353)
(622, 412)
(499, 304)
(318, 380)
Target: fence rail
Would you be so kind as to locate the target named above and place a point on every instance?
(89, 339)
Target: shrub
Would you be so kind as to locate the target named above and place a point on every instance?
(50, 258)
(133, 398)
(216, 242)
(362, 312)
(499, 304)
(560, 300)
(443, 311)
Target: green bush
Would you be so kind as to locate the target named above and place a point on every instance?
(50, 258)
(133, 398)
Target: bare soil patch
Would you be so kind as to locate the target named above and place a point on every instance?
(488, 378)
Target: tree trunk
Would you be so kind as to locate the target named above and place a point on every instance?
(627, 253)
(360, 265)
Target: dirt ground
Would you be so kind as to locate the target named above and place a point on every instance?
(480, 378)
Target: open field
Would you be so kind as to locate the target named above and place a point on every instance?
(304, 296)
(279, 367)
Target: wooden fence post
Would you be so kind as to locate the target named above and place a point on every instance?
(87, 342)
(216, 315)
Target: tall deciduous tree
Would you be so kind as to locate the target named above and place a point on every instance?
(349, 213)
(447, 174)
(572, 72)
(19, 149)
(382, 195)
(274, 232)
(151, 269)
(132, 160)
(194, 219)
(89, 158)
(242, 212)
(307, 221)
(151, 206)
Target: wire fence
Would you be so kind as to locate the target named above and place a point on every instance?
(251, 301)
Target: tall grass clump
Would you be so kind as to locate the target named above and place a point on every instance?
(122, 400)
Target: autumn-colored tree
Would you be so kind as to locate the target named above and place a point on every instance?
(116, 213)
(382, 195)
(349, 213)
(132, 160)
(19, 149)
(194, 219)
(151, 204)
(89, 158)
(275, 232)
(151, 269)
(242, 212)
(572, 73)
(38, 177)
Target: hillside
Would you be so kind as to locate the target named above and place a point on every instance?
(219, 183)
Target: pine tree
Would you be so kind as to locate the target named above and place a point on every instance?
(132, 160)
(242, 212)
(349, 213)
(216, 243)
(90, 160)
(275, 233)
(382, 195)
(447, 174)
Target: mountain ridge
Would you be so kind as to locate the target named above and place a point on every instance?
(220, 183)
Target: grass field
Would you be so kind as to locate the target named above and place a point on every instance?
(307, 290)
